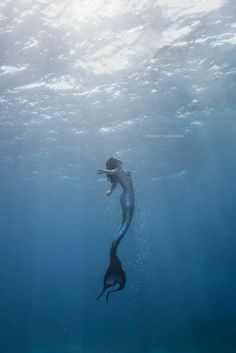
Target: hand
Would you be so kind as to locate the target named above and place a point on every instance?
(108, 192)
(99, 171)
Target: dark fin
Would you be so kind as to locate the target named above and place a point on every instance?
(112, 291)
(101, 293)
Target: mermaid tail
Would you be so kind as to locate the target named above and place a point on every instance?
(115, 273)
(113, 290)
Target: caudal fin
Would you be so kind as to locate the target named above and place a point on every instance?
(112, 291)
(101, 293)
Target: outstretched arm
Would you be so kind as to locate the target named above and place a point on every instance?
(113, 186)
(107, 171)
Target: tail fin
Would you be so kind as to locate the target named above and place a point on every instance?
(104, 288)
(112, 291)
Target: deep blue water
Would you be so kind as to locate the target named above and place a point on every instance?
(154, 83)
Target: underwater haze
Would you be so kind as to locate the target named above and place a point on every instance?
(154, 83)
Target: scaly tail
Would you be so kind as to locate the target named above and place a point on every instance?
(115, 273)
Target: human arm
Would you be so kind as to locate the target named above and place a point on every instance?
(113, 186)
(106, 171)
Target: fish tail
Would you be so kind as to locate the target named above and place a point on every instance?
(112, 291)
(103, 290)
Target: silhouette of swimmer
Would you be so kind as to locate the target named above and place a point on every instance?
(115, 273)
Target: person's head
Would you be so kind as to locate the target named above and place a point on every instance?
(113, 163)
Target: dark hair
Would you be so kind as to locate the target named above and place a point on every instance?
(111, 163)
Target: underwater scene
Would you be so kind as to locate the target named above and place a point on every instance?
(137, 99)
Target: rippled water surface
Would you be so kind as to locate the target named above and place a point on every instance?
(153, 82)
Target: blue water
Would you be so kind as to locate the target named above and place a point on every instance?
(152, 82)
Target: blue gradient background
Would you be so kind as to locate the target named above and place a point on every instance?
(155, 84)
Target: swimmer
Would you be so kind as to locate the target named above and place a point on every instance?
(115, 273)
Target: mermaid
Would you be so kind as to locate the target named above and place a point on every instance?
(115, 273)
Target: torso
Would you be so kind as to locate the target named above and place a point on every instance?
(124, 179)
